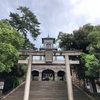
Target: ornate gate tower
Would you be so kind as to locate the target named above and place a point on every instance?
(47, 71)
(48, 47)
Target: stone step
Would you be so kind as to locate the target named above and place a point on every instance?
(47, 90)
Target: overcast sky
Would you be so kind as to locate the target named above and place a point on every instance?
(56, 15)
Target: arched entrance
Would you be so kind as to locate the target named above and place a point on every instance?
(35, 75)
(48, 75)
(61, 75)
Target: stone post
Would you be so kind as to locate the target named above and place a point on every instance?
(28, 79)
(64, 77)
(56, 76)
(40, 76)
(68, 79)
(55, 57)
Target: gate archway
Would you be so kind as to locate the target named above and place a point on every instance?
(47, 75)
(35, 75)
(61, 75)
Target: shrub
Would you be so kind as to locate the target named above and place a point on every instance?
(11, 83)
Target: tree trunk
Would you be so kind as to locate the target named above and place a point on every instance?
(92, 80)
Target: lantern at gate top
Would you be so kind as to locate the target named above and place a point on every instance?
(48, 46)
(48, 43)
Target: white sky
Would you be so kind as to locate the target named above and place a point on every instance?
(56, 15)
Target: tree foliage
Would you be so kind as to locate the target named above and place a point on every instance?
(80, 37)
(10, 42)
(94, 46)
(66, 41)
(26, 23)
(87, 39)
(77, 40)
(92, 65)
(94, 38)
(14, 35)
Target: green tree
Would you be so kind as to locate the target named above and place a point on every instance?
(80, 37)
(86, 38)
(92, 64)
(93, 60)
(94, 46)
(10, 42)
(92, 70)
(94, 38)
(66, 41)
(76, 40)
(26, 23)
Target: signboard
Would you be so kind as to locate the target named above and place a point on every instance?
(1, 85)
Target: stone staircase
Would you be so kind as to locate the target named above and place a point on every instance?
(47, 90)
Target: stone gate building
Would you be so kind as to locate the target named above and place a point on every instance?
(44, 72)
(48, 67)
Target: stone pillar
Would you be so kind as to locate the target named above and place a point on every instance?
(56, 76)
(64, 77)
(28, 79)
(31, 77)
(68, 78)
(55, 57)
(40, 57)
(40, 76)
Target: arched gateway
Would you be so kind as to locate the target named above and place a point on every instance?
(48, 75)
(48, 67)
(35, 75)
(61, 75)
